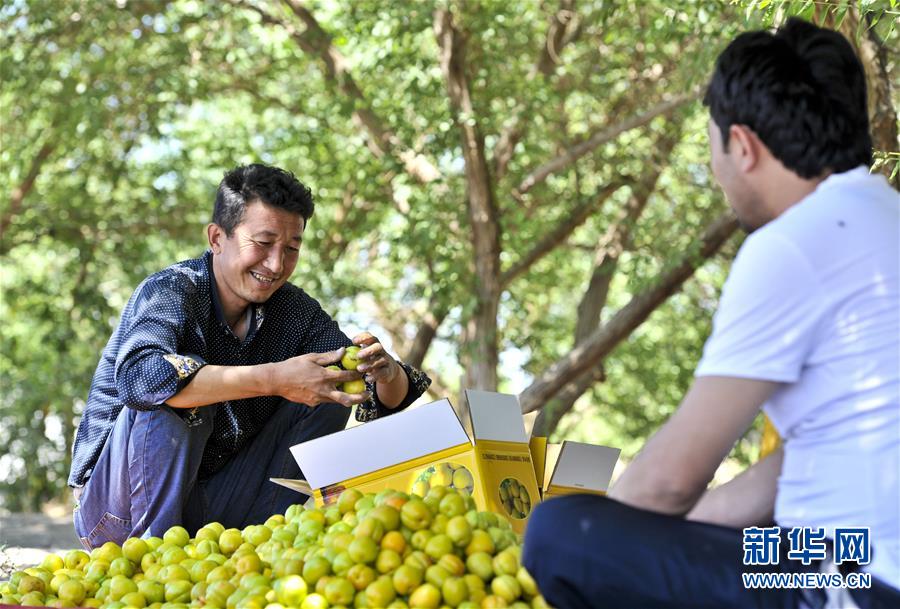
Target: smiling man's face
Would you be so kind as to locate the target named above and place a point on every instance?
(258, 257)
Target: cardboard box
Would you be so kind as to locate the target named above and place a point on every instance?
(572, 467)
(481, 448)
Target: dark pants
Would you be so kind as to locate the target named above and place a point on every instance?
(590, 551)
(146, 479)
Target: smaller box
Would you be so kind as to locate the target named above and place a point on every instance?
(572, 467)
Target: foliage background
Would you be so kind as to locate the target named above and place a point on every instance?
(418, 125)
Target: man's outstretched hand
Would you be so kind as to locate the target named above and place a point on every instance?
(376, 363)
(306, 380)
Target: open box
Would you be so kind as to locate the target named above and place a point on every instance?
(572, 467)
(480, 448)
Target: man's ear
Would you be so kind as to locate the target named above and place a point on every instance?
(215, 235)
(744, 147)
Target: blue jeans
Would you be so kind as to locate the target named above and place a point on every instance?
(589, 551)
(146, 479)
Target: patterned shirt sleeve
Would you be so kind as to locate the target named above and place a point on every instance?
(373, 408)
(149, 368)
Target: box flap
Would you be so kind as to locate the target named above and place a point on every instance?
(496, 416)
(551, 457)
(380, 443)
(530, 418)
(301, 486)
(537, 445)
(580, 465)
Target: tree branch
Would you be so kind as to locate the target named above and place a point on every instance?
(601, 137)
(385, 141)
(566, 227)
(618, 238)
(21, 191)
(425, 335)
(564, 28)
(316, 41)
(603, 340)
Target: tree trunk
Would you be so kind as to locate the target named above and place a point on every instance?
(872, 53)
(482, 349)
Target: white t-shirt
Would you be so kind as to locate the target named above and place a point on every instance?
(813, 301)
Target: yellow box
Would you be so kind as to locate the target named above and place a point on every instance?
(481, 448)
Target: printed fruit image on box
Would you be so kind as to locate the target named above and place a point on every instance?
(452, 475)
(514, 498)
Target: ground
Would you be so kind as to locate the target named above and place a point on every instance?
(26, 538)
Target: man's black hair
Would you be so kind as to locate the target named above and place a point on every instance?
(802, 90)
(247, 184)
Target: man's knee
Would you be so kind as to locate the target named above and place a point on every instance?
(578, 541)
(563, 521)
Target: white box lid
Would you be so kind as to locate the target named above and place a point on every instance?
(379, 444)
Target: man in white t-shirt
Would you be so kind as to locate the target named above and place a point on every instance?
(808, 330)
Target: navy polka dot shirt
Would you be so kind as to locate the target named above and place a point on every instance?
(171, 327)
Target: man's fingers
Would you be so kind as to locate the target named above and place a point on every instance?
(342, 376)
(371, 351)
(364, 339)
(329, 357)
(348, 399)
(371, 366)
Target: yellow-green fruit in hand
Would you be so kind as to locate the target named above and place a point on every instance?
(357, 386)
(350, 360)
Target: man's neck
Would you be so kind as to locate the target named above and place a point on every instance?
(236, 315)
(242, 326)
(785, 189)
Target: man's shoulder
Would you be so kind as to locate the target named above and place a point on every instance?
(290, 296)
(186, 279)
(187, 274)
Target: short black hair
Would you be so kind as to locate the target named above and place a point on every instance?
(802, 90)
(247, 184)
